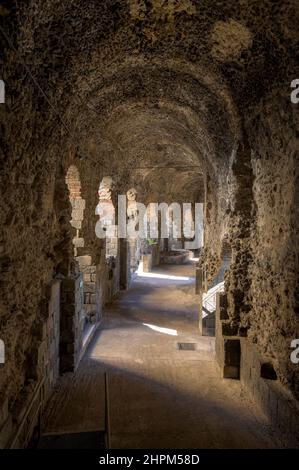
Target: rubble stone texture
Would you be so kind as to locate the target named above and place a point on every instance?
(122, 89)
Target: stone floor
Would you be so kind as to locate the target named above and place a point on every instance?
(160, 396)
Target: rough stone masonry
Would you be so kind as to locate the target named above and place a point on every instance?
(184, 101)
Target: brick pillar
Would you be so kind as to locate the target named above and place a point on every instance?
(78, 206)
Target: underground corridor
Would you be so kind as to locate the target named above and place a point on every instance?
(149, 209)
(160, 396)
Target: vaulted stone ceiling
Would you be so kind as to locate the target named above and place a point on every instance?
(182, 72)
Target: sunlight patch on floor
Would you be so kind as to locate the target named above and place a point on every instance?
(164, 276)
(159, 329)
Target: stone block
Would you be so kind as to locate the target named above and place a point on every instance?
(90, 308)
(77, 224)
(77, 214)
(84, 261)
(78, 242)
(90, 287)
(78, 204)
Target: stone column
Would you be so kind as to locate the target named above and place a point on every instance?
(132, 219)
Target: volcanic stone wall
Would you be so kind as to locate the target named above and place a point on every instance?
(274, 271)
(160, 96)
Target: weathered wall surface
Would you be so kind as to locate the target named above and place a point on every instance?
(160, 96)
(262, 284)
(274, 271)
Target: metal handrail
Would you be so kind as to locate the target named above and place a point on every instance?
(208, 312)
(107, 413)
(209, 305)
(211, 294)
(26, 414)
(210, 300)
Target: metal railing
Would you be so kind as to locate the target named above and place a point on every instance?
(209, 299)
(107, 413)
(35, 419)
